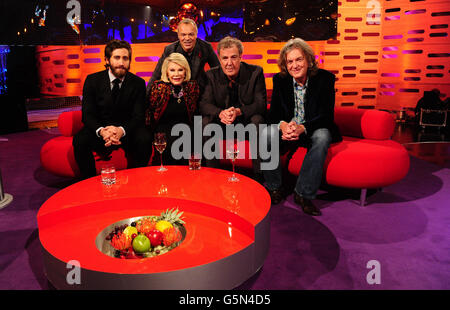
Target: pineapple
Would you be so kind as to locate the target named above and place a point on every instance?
(172, 216)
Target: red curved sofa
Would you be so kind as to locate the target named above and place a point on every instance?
(366, 158)
(57, 153)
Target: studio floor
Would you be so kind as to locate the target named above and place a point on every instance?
(405, 227)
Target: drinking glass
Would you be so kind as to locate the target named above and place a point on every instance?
(108, 175)
(160, 145)
(232, 154)
(195, 162)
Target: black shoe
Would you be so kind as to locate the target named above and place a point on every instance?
(307, 206)
(276, 196)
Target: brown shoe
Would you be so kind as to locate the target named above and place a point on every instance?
(276, 196)
(307, 206)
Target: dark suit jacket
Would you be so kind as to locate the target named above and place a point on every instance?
(98, 109)
(251, 91)
(203, 53)
(319, 102)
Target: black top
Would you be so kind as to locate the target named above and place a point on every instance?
(175, 113)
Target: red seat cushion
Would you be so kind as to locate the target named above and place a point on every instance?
(57, 157)
(360, 163)
(69, 123)
(360, 123)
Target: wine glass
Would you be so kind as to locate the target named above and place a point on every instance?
(232, 153)
(160, 144)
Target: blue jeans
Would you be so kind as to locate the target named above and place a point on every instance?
(310, 175)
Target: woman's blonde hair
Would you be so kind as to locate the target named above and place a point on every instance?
(300, 44)
(180, 60)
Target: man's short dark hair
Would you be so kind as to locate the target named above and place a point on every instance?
(115, 44)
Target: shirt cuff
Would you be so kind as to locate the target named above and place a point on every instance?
(305, 129)
(124, 132)
(97, 132)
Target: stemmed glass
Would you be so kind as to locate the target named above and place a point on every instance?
(160, 144)
(232, 153)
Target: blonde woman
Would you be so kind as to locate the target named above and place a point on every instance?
(173, 99)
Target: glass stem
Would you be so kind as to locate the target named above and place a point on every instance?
(160, 155)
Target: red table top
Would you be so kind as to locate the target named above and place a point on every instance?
(220, 216)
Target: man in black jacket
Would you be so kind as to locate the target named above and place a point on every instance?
(235, 92)
(113, 113)
(302, 108)
(195, 50)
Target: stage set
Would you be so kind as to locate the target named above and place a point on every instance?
(386, 186)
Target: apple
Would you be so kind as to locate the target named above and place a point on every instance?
(156, 237)
(141, 244)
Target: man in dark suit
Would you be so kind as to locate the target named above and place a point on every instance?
(302, 108)
(196, 51)
(235, 92)
(113, 113)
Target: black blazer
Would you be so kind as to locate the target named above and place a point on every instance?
(251, 91)
(98, 109)
(203, 53)
(319, 102)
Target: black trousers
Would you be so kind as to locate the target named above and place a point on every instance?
(137, 146)
(256, 119)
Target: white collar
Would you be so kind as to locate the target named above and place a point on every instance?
(112, 77)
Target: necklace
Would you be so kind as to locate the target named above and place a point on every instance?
(179, 95)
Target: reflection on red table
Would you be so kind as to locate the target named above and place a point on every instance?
(220, 216)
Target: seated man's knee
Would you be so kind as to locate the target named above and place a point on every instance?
(81, 139)
(321, 136)
(257, 119)
(143, 136)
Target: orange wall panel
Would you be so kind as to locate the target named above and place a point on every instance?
(386, 53)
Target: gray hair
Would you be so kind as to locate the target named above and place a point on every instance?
(228, 42)
(188, 21)
(300, 44)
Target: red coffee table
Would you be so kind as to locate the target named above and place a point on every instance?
(227, 230)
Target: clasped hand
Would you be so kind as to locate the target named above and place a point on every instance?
(228, 116)
(111, 135)
(291, 131)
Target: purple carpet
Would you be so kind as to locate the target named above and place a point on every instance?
(405, 227)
